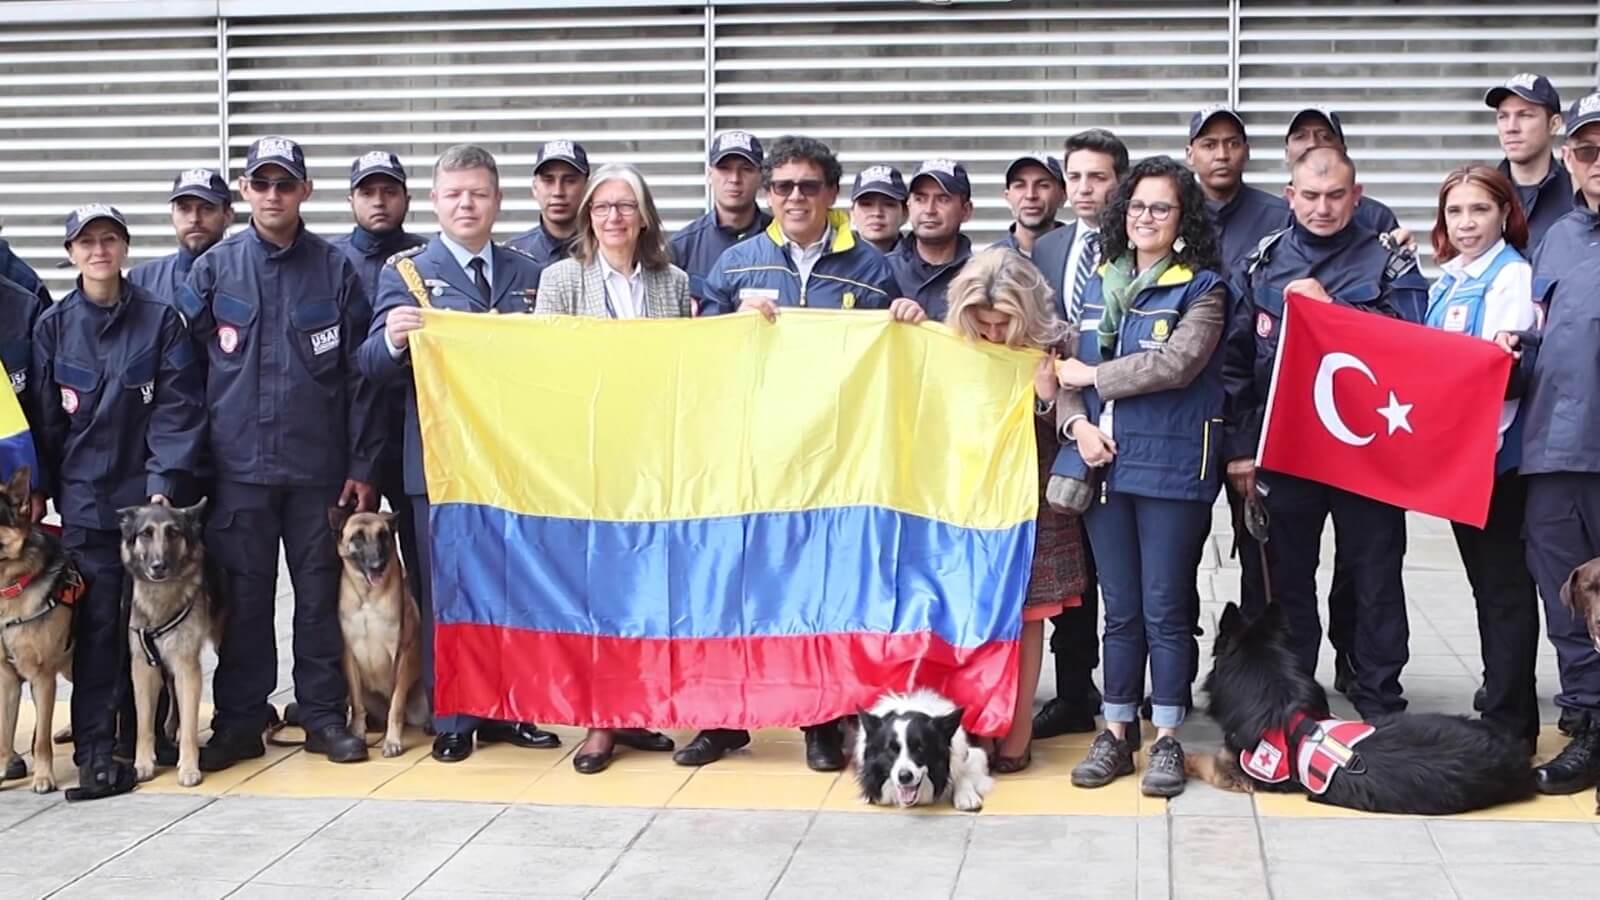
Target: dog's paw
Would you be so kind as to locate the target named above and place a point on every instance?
(393, 748)
(144, 771)
(189, 777)
(967, 799)
(43, 782)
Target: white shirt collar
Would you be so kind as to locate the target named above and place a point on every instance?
(1478, 266)
(606, 271)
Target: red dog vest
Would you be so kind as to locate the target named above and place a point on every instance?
(1320, 749)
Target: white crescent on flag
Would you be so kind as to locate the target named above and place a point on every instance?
(1322, 395)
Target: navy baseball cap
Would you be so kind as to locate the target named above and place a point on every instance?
(1321, 112)
(735, 143)
(1199, 121)
(885, 180)
(951, 176)
(377, 162)
(1530, 87)
(1584, 111)
(1048, 163)
(206, 184)
(276, 151)
(79, 219)
(569, 152)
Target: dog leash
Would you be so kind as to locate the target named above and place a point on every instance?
(1257, 522)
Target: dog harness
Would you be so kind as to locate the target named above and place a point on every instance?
(68, 588)
(149, 636)
(1320, 749)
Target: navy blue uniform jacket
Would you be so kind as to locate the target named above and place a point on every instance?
(279, 329)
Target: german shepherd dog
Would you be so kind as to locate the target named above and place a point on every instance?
(172, 614)
(1419, 764)
(37, 587)
(381, 625)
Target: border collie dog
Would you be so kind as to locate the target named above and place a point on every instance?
(911, 751)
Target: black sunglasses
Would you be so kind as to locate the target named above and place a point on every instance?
(808, 188)
(281, 185)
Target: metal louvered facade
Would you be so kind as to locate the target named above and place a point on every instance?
(107, 100)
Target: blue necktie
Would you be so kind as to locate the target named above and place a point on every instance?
(477, 265)
(1088, 258)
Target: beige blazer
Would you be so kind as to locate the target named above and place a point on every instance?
(570, 288)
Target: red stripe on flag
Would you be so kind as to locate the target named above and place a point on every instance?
(793, 680)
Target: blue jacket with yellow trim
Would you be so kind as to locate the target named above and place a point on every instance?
(1168, 441)
(851, 274)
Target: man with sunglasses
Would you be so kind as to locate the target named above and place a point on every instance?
(293, 428)
(560, 176)
(202, 210)
(940, 203)
(1327, 254)
(733, 172)
(1561, 429)
(807, 256)
(1527, 118)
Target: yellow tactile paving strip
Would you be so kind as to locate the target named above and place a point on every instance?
(770, 774)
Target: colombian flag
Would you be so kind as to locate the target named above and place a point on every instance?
(723, 522)
(16, 442)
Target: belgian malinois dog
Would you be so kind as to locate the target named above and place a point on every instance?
(172, 615)
(381, 625)
(38, 586)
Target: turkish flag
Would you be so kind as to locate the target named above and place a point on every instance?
(1401, 413)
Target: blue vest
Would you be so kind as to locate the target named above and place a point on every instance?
(1461, 311)
(1168, 442)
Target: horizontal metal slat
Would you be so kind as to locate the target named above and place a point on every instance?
(620, 47)
(952, 63)
(359, 73)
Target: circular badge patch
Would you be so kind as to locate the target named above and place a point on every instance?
(69, 400)
(228, 338)
(1263, 325)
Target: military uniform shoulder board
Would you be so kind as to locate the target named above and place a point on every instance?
(518, 251)
(1263, 251)
(405, 254)
(1402, 257)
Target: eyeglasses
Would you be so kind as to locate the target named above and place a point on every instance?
(1585, 153)
(280, 185)
(808, 188)
(627, 209)
(1158, 211)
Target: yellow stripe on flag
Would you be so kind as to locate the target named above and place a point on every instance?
(652, 420)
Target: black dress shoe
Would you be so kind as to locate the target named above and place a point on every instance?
(452, 746)
(643, 739)
(710, 745)
(15, 769)
(228, 747)
(593, 763)
(1480, 698)
(520, 734)
(1058, 718)
(337, 744)
(825, 748)
(1575, 768)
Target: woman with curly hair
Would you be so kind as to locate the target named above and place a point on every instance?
(1144, 409)
(1000, 297)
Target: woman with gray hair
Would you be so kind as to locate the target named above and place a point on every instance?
(620, 267)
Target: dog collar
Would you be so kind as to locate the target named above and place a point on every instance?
(16, 588)
(1319, 749)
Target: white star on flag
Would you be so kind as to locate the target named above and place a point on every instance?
(1396, 414)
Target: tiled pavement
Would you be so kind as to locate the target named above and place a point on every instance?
(760, 826)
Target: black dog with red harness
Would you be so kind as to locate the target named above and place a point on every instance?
(1277, 727)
